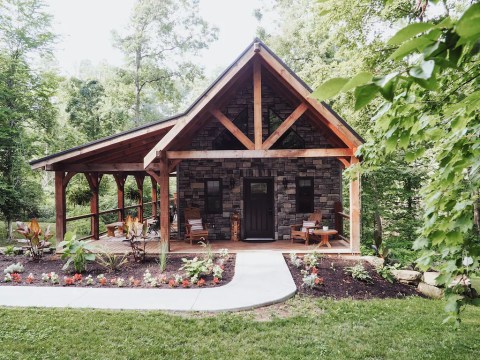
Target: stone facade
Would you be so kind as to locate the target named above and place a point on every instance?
(193, 173)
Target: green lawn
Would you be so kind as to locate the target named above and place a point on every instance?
(302, 328)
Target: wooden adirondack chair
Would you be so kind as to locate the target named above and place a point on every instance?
(194, 234)
(300, 232)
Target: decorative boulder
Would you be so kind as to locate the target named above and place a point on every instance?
(409, 277)
(430, 277)
(430, 290)
(373, 260)
(460, 280)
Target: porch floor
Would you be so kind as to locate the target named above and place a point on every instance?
(117, 246)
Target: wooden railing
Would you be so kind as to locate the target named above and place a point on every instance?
(339, 216)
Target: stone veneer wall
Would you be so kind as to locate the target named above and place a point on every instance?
(326, 173)
(192, 173)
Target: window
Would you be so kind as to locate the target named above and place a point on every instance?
(289, 140)
(305, 194)
(213, 196)
(226, 141)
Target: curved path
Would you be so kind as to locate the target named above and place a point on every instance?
(261, 278)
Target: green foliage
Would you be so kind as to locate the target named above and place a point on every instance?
(37, 239)
(76, 252)
(358, 272)
(196, 267)
(162, 260)
(160, 39)
(109, 261)
(385, 271)
(27, 115)
(431, 113)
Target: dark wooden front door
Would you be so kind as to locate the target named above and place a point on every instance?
(258, 200)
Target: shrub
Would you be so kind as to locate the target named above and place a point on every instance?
(9, 250)
(78, 252)
(311, 260)
(217, 271)
(14, 268)
(358, 272)
(196, 266)
(111, 262)
(311, 280)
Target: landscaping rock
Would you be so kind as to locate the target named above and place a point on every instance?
(462, 280)
(2, 251)
(18, 250)
(373, 260)
(430, 290)
(409, 277)
(430, 277)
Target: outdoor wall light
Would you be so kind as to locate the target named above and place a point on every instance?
(232, 182)
(285, 182)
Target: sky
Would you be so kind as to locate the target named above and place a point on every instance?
(85, 29)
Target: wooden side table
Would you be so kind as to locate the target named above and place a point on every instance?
(324, 236)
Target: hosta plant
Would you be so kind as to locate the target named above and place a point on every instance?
(37, 239)
(76, 252)
(358, 272)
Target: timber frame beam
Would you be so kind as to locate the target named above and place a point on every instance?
(230, 126)
(243, 154)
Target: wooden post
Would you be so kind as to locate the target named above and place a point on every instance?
(164, 203)
(139, 180)
(94, 182)
(154, 197)
(257, 104)
(60, 206)
(120, 180)
(355, 210)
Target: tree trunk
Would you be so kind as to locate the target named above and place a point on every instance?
(9, 230)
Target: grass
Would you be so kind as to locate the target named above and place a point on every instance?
(303, 328)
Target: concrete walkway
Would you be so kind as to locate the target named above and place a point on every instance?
(261, 278)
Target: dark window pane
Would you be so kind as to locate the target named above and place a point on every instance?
(213, 196)
(226, 141)
(213, 187)
(305, 195)
(258, 188)
(289, 140)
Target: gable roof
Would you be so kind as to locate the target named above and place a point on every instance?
(257, 49)
(167, 129)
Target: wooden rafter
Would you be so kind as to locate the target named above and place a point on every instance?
(290, 81)
(104, 168)
(257, 103)
(230, 126)
(173, 164)
(243, 154)
(344, 162)
(287, 124)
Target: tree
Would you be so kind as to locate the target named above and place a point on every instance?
(160, 38)
(27, 114)
(431, 111)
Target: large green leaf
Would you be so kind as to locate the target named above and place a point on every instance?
(409, 31)
(469, 24)
(409, 47)
(364, 94)
(361, 78)
(329, 88)
(423, 71)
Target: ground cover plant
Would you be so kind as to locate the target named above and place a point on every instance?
(301, 328)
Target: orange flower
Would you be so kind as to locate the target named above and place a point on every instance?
(68, 280)
(172, 283)
(17, 278)
(216, 280)
(201, 282)
(314, 270)
(185, 283)
(103, 281)
(77, 277)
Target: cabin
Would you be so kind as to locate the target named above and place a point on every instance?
(255, 144)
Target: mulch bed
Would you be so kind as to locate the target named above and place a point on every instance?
(338, 284)
(133, 269)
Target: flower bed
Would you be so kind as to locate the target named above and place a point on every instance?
(332, 277)
(48, 272)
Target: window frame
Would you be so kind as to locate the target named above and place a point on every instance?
(208, 196)
(311, 195)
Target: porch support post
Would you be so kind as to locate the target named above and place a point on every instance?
(120, 180)
(164, 204)
(139, 180)
(94, 182)
(355, 210)
(60, 206)
(154, 197)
